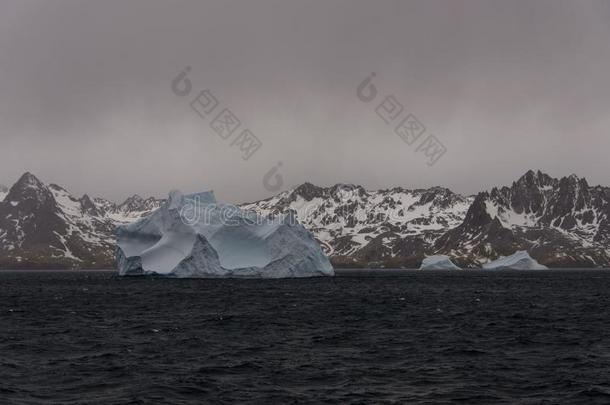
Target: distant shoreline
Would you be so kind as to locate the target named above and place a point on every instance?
(343, 271)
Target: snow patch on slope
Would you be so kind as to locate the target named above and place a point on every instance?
(345, 218)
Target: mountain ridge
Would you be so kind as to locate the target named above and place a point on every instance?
(562, 222)
(46, 227)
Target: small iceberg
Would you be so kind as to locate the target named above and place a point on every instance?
(438, 262)
(519, 260)
(194, 236)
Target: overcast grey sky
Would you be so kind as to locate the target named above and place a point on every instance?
(86, 99)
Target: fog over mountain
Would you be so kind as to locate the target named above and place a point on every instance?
(86, 96)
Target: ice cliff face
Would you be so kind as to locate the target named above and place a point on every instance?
(195, 236)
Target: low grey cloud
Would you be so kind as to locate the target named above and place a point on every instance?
(86, 99)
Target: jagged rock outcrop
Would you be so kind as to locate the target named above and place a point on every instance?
(561, 222)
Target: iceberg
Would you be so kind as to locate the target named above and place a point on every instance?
(194, 236)
(438, 262)
(519, 260)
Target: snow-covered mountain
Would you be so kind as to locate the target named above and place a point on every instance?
(357, 227)
(560, 222)
(45, 227)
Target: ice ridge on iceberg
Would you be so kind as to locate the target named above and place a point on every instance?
(196, 236)
(519, 260)
(438, 262)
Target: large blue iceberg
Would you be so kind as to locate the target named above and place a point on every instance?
(194, 236)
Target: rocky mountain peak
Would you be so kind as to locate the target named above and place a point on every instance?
(534, 179)
(308, 191)
(30, 216)
(46, 227)
(346, 192)
(477, 215)
(29, 188)
(133, 199)
(55, 187)
(132, 203)
(573, 181)
(87, 205)
(28, 179)
(440, 197)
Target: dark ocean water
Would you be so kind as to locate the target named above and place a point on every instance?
(383, 337)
